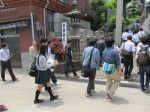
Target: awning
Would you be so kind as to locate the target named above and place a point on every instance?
(14, 25)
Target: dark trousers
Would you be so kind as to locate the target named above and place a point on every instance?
(128, 63)
(72, 66)
(52, 75)
(91, 81)
(101, 53)
(142, 71)
(7, 65)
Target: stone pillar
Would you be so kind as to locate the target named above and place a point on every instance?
(118, 32)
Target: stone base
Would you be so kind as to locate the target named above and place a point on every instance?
(61, 67)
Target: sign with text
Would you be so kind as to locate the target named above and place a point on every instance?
(64, 34)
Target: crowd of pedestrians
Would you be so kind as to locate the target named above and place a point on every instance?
(103, 53)
(138, 45)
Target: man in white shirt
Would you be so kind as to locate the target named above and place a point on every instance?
(33, 51)
(6, 62)
(125, 35)
(128, 59)
(141, 33)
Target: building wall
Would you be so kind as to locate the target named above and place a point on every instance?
(19, 10)
(59, 18)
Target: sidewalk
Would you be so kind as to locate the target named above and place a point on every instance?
(100, 78)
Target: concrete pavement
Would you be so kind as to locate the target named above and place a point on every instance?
(19, 96)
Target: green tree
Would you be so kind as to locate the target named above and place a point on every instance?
(112, 4)
(101, 13)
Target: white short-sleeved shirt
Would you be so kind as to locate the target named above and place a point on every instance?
(129, 46)
(125, 35)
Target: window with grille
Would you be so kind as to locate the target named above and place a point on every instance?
(51, 21)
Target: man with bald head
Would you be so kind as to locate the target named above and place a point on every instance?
(33, 52)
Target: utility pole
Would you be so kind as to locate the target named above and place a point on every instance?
(118, 32)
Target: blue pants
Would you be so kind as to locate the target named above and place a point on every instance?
(142, 70)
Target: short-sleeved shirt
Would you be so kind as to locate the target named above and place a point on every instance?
(129, 46)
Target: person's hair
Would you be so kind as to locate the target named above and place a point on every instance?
(92, 42)
(49, 41)
(43, 40)
(129, 37)
(4, 45)
(141, 29)
(135, 32)
(43, 50)
(109, 41)
(126, 30)
(68, 41)
(144, 40)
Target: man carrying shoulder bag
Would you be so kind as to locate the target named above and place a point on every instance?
(93, 64)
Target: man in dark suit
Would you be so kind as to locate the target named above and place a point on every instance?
(69, 59)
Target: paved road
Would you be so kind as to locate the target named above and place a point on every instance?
(19, 96)
(145, 24)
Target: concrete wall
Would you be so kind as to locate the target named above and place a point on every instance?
(59, 18)
(25, 60)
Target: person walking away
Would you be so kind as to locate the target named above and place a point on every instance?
(52, 74)
(129, 46)
(6, 62)
(69, 59)
(125, 35)
(33, 52)
(131, 31)
(42, 77)
(94, 64)
(112, 68)
(136, 37)
(143, 62)
(137, 24)
(141, 33)
(101, 48)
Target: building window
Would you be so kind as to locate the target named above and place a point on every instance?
(11, 31)
(84, 6)
(66, 1)
(51, 21)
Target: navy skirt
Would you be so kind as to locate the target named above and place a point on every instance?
(41, 77)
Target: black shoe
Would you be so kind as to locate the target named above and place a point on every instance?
(3, 80)
(67, 75)
(125, 78)
(54, 97)
(38, 101)
(76, 76)
(15, 79)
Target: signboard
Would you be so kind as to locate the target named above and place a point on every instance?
(64, 34)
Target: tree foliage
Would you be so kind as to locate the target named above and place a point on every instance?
(112, 4)
(101, 12)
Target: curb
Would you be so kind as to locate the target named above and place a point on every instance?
(129, 84)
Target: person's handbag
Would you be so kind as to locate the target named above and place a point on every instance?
(124, 51)
(86, 70)
(33, 68)
(32, 71)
